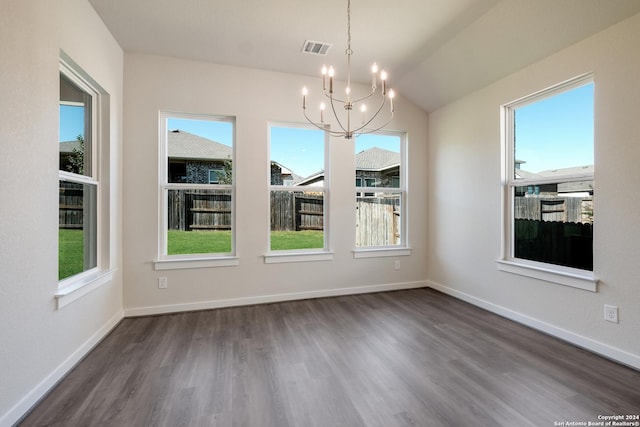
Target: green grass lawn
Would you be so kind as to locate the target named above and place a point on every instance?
(307, 239)
(198, 242)
(206, 242)
(70, 253)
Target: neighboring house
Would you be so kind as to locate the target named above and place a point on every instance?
(375, 167)
(581, 188)
(196, 160)
(281, 175)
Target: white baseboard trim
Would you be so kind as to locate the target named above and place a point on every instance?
(607, 351)
(265, 299)
(33, 397)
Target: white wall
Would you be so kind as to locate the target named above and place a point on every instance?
(39, 342)
(465, 206)
(254, 97)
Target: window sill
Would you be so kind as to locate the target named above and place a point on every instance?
(74, 288)
(276, 258)
(195, 262)
(565, 276)
(381, 252)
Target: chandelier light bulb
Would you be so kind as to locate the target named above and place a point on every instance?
(331, 73)
(374, 74)
(324, 77)
(383, 77)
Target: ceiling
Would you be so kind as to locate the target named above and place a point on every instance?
(435, 51)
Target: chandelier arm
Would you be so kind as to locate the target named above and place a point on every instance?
(373, 116)
(322, 126)
(364, 97)
(319, 126)
(360, 130)
(333, 108)
(334, 99)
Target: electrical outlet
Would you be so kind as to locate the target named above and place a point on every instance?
(396, 265)
(611, 313)
(163, 283)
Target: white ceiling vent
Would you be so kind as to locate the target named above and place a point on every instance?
(316, 48)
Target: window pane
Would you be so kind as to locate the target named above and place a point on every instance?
(77, 234)
(554, 136)
(378, 161)
(199, 221)
(297, 156)
(553, 223)
(297, 220)
(74, 128)
(196, 148)
(378, 219)
(553, 214)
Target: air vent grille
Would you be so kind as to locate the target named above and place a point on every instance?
(315, 48)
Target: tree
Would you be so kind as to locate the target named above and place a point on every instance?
(226, 177)
(76, 158)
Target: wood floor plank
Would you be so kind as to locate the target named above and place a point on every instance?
(395, 359)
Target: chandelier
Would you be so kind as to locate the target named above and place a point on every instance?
(364, 122)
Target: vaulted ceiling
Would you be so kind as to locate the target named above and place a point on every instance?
(435, 51)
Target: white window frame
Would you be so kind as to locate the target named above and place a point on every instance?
(74, 287)
(567, 276)
(301, 255)
(185, 261)
(404, 248)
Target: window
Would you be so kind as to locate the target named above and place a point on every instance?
(379, 164)
(78, 181)
(196, 188)
(298, 189)
(549, 185)
(216, 176)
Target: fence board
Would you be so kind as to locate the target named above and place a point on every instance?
(554, 208)
(378, 222)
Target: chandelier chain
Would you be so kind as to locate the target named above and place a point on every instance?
(349, 51)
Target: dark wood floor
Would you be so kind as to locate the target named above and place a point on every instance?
(406, 358)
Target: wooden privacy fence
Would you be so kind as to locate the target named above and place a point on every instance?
(295, 211)
(563, 243)
(70, 212)
(378, 221)
(211, 210)
(554, 208)
(199, 210)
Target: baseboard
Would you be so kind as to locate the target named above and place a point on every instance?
(37, 393)
(265, 299)
(581, 341)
